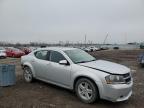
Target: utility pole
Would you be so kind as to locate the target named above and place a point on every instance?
(126, 38)
(85, 40)
(105, 38)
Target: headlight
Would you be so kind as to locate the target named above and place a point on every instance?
(114, 79)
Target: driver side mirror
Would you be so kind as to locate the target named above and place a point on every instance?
(63, 62)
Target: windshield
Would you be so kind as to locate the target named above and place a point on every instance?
(79, 56)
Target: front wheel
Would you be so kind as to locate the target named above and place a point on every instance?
(28, 77)
(86, 90)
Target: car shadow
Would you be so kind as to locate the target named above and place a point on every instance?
(72, 96)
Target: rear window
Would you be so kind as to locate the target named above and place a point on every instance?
(43, 55)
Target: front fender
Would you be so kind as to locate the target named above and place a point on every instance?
(89, 75)
(97, 76)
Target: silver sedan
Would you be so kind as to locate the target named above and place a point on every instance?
(76, 70)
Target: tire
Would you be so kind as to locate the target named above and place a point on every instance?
(86, 90)
(142, 65)
(27, 74)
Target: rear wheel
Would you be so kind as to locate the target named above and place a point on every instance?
(86, 90)
(28, 77)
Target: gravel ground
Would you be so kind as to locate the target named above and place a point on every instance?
(43, 95)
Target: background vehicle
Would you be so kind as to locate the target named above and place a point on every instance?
(26, 50)
(142, 46)
(93, 48)
(141, 59)
(87, 49)
(33, 48)
(14, 52)
(75, 69)
(116, 47)
(104, 48)
(2, 53)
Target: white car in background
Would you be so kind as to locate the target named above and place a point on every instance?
(2, 53)
(76, 70)
(93, 48)
(87, 49)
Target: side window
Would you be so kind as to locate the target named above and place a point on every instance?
(44, 55)
(56, 56)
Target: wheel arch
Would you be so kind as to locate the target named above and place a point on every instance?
(30, 66)
(91, 79)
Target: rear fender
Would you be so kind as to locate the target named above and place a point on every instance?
(30, 66)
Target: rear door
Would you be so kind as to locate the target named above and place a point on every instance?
(40, 64)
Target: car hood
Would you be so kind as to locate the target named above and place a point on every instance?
(106, 66)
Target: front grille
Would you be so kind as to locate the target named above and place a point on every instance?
(128, 80)
(127, 77)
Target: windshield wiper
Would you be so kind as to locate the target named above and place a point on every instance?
(93, 60)
(81, 62)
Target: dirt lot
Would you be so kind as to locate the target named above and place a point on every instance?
(42, 95)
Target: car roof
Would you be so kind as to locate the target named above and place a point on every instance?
(57, 48)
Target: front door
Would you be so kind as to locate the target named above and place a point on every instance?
(56, 72)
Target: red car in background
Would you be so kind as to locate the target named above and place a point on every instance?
(26, 50)
(14, 52)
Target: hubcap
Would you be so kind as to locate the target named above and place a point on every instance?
(85, 91)
(27, 75)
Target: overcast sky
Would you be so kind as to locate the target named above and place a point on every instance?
(70, 20)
